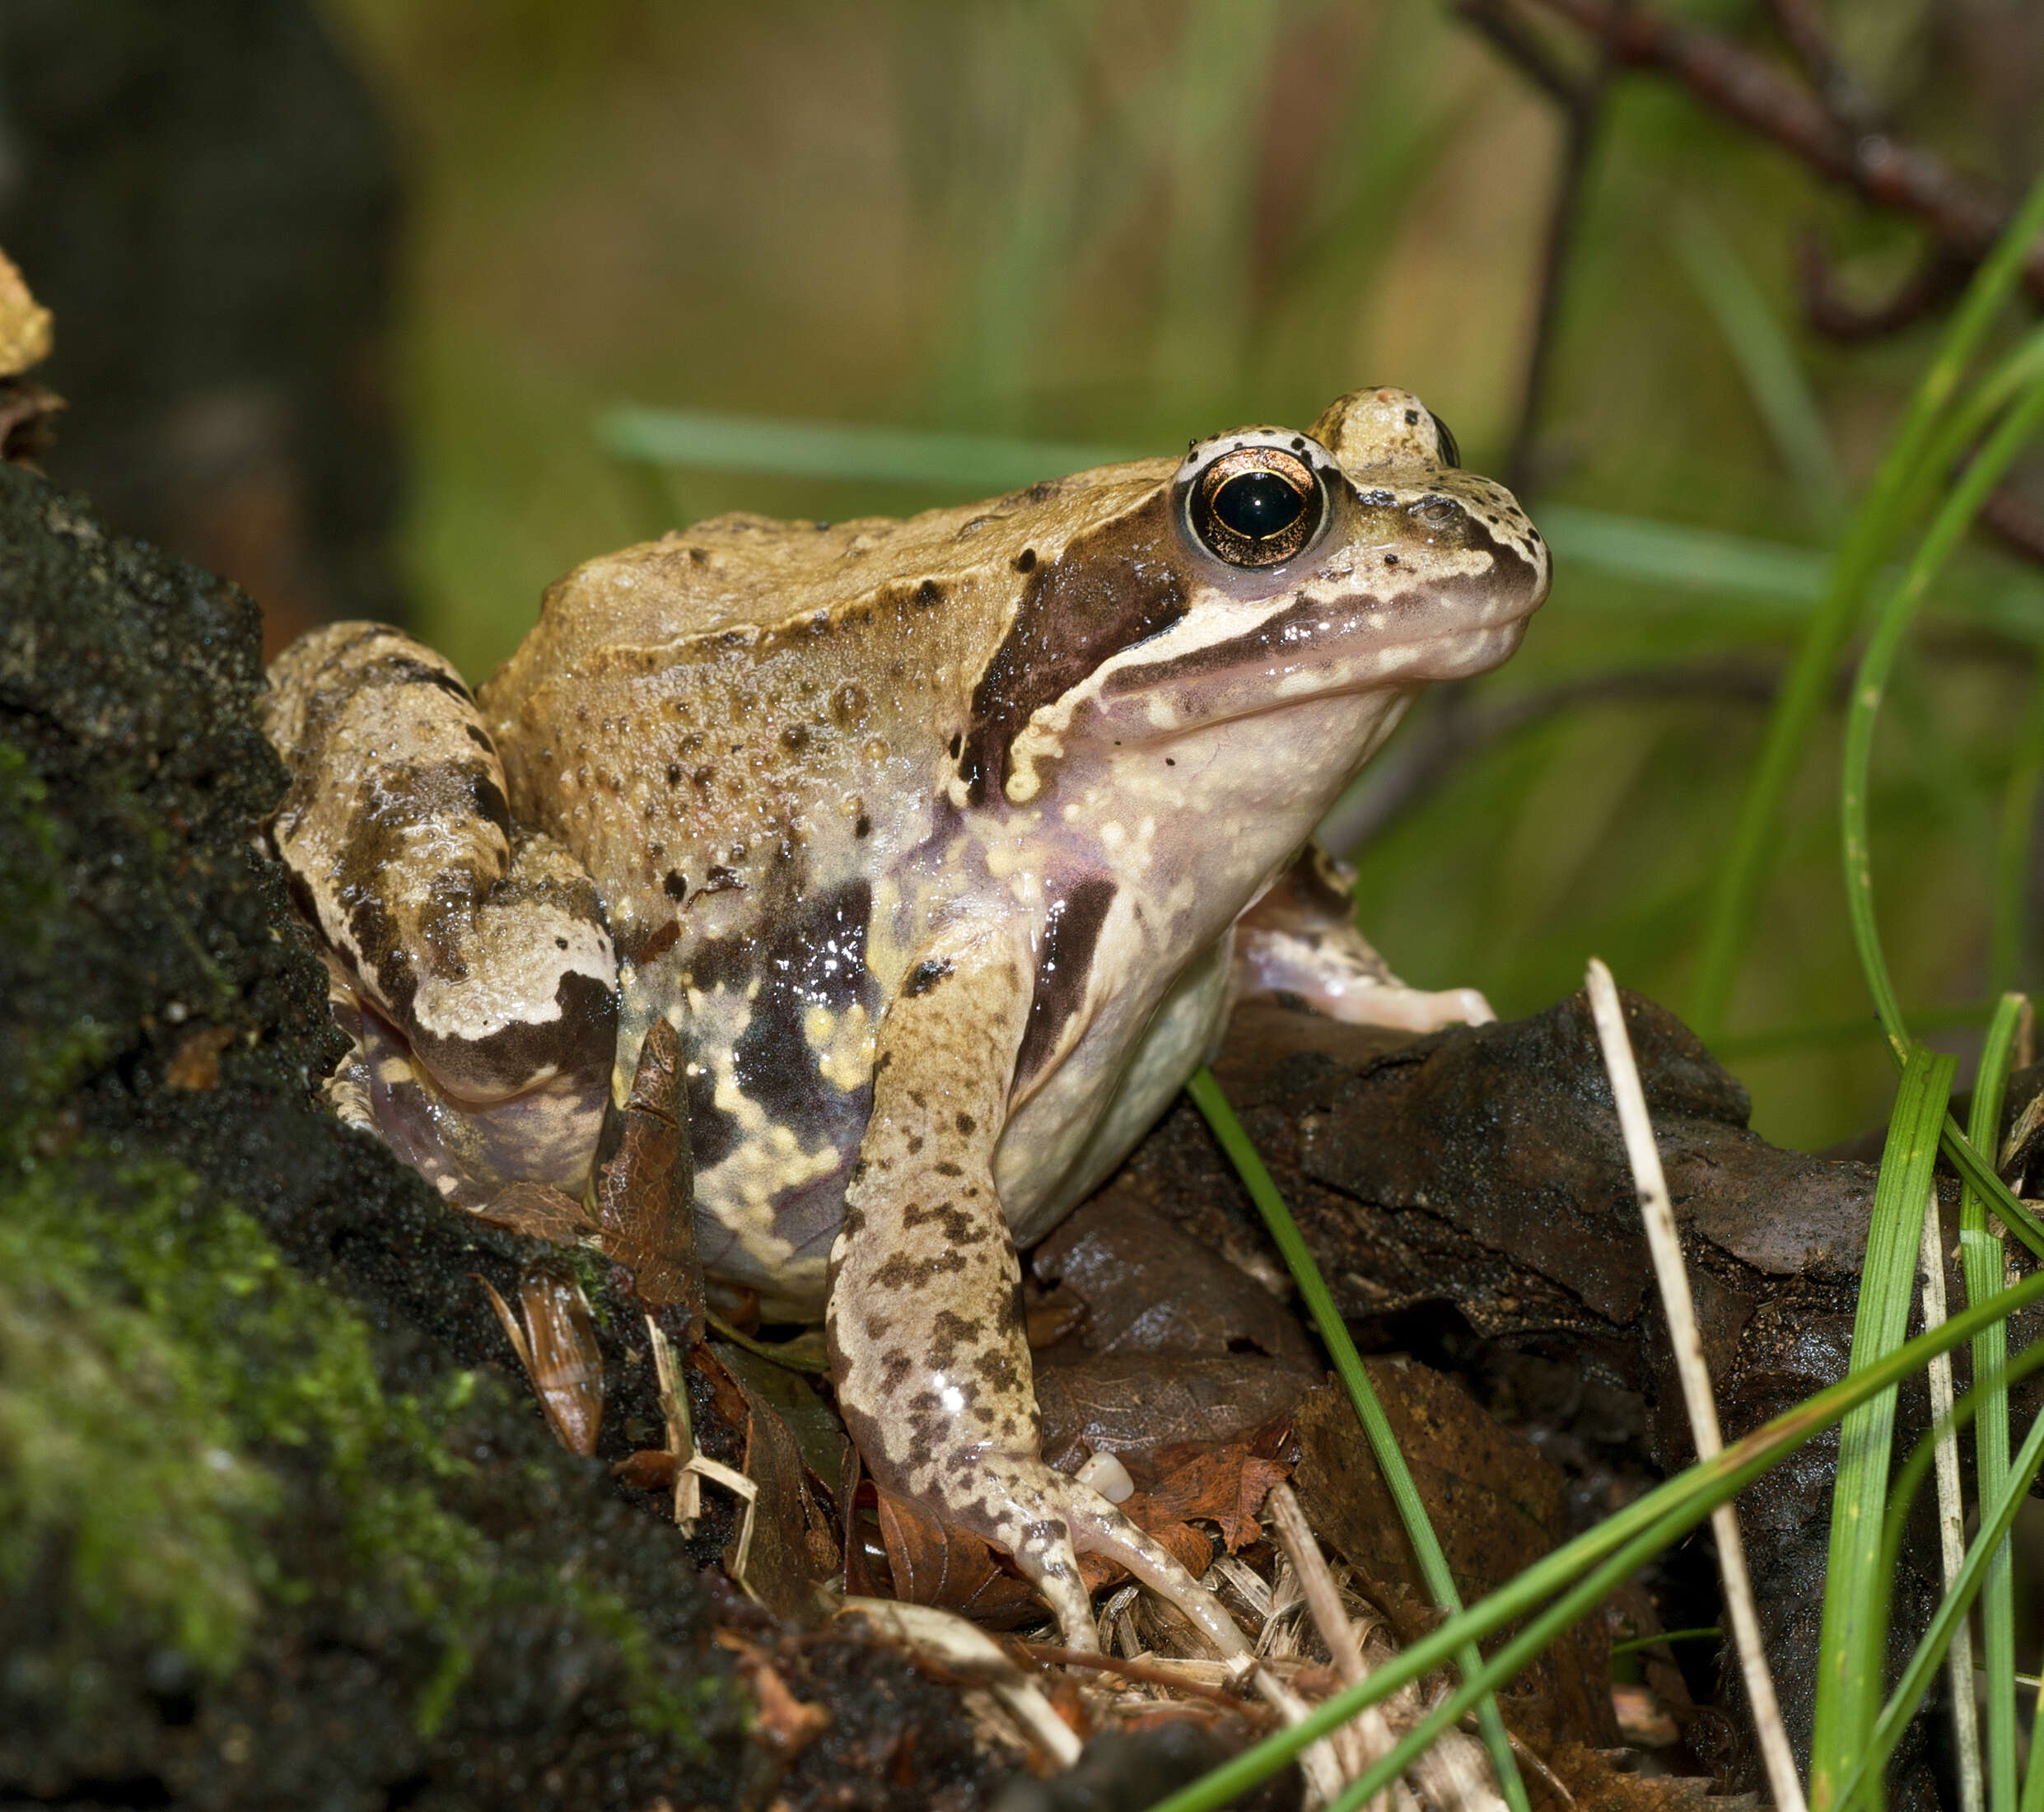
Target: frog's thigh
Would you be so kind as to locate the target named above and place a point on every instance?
(481, 949)
(1300, 940)
(928, 1348)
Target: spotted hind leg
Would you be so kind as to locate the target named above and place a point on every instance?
(472, 969)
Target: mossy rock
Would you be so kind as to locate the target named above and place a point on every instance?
(272, 1529)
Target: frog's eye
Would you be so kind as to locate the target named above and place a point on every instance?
(1450, 454)
(1255, 506)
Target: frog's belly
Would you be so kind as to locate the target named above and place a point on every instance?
(775, 1142)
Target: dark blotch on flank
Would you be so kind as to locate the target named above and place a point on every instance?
(1025, 561)
(813, 955)
(928, 593)
(1111, 587)
(1069, 938)
(967, 1124)
(675, 885)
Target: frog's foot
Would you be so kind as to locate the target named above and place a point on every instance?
(1045, 1519)
(1298, 942)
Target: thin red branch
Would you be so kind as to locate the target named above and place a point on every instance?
(1965, 215)
(1936, 281)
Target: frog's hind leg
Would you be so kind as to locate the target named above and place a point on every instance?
(474, 970)
(1300, 941)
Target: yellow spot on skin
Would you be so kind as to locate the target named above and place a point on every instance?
(845, 1050)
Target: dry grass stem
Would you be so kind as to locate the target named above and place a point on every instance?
(681, 1438)
(1665, 1246)
(966, 1649)
(1951, 1519)
(1366, 1737)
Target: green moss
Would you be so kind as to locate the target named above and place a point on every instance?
(160, 1365)
(153, 1347)
(111, 1441)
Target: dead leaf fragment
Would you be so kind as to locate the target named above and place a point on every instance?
(195, 1064)
(951, 1569)
(1226, 1485)
(793, 1548)
(1498, 1505)
(646, 1184)
(650, 1469)
(557, 1345)
(785, 1723)
(540, 1210)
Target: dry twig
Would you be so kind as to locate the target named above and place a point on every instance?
(1665, 1243)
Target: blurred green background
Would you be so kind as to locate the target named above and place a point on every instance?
(1130, 225)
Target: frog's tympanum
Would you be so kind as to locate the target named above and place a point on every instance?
(942, 844)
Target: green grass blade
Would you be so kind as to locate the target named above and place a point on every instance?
(1985, 1264)
(1654, 1522)
(1825, 1033)
(1676, 554)
(1998, 1514)
(1977, 1173)
(1775, 379)
(1872, 529)
(1891, 624)
(1854, 1640)
(1228, 1133)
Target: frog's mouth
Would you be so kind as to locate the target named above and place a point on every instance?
(1229, 682)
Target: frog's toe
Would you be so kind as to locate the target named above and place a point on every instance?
(1046, 1519)
(1099, 1528)
(1044, 1550)
(1402, 1009)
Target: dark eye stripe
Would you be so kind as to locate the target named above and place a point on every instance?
(1114, 586)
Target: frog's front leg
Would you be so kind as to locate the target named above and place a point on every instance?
(927, 1349)
(1300, 940)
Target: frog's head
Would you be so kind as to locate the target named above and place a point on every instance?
(1274, 572)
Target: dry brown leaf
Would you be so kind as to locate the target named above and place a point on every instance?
(951, 1569)
(1225, 1485)
(557, 1345)
(650, 1469)
(645, 1186)
(195, 1064)
(541, 1210)
(786, 1723)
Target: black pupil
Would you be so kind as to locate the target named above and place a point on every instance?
(1258, 505)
